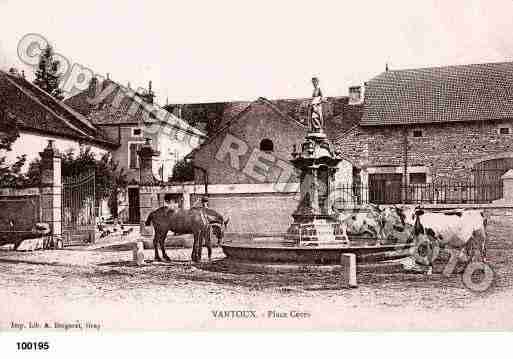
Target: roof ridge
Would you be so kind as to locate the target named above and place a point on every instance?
(34, 99)
(51, 98)
(279, 111)
(448, 66)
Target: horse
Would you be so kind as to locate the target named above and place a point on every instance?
(195, 221)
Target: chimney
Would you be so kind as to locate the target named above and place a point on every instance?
(177, 111)
(150, 96)
(93, 84)
(355, 95)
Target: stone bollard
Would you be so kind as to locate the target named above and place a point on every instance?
(348, 264)
(138, 253)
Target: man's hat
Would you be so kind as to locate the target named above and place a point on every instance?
(168, 197)
(204, 200)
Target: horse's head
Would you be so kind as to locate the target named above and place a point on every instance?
(219, 229)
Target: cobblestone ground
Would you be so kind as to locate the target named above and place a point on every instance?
(101, 284)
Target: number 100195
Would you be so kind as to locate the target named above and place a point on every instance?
(33, 345)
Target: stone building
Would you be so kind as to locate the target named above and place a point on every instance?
(443, 124)
(131, 117)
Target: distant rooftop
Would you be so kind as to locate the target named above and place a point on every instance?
(440, 94)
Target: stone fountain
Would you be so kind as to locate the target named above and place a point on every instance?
(315, 235)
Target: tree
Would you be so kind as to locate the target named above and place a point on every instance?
(10, 174)
(47, 74)
(110, 179)
(183, 171)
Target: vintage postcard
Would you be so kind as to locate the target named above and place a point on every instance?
(261, 165)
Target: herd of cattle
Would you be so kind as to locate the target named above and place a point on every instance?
(459, 231)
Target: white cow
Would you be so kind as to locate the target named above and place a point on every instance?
(455, 229)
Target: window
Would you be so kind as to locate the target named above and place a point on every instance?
(417, 178)
(417, 133)
(504, 130)
(137, 132)
(133, 157)
(266, 145)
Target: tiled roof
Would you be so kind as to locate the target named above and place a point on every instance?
(121, 105)
(339, 116)
(440, 94)
(37, 111)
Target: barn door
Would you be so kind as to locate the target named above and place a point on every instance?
(385, 188)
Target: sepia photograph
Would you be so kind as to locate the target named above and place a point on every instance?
(265, 165)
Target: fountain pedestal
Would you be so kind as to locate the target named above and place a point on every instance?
(314, 223)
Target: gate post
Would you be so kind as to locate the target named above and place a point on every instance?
(507, 188)
(51, 190)
(148, 200)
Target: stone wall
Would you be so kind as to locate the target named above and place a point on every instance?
(21, 206)
(256, 213)
(448, 150)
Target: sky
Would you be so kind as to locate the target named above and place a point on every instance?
(205, 51)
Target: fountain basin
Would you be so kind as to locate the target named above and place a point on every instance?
(280, 251)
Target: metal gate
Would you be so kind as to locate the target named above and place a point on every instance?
(78, 209)
(487, 177)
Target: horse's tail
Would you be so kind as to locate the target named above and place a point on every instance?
(149, 219)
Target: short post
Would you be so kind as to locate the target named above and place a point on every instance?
(348, 264)
(138, 253)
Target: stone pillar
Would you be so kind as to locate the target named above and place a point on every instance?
(186, 200)
(148, 192)
(51, 189)
(148, 202)
(147, 157)
(364, 176)
(507, 188)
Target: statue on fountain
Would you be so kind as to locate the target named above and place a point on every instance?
(316, 116)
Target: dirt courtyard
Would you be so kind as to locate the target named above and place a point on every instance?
(102, 288)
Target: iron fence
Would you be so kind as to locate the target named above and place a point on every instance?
(429, 193)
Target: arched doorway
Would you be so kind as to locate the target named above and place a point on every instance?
(487, 177)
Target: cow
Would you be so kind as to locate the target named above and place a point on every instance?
(394, 227)
(452, 230)
(367, 221)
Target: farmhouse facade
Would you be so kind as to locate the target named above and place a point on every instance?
(132, 118)
(445, 124)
